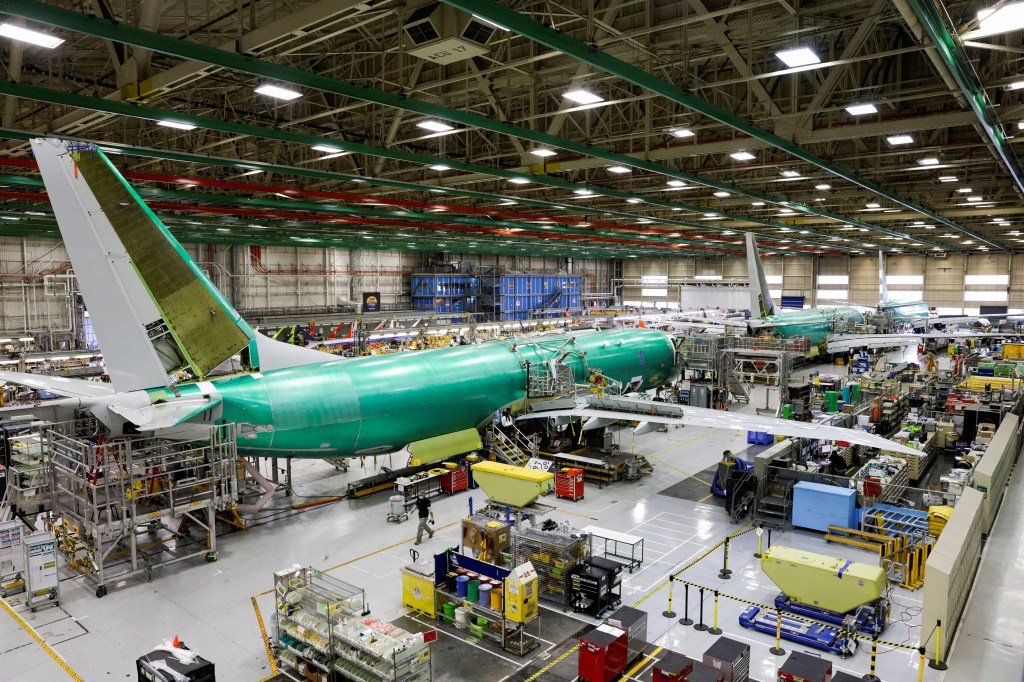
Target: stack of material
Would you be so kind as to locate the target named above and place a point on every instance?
(937, 518)
(985, 432)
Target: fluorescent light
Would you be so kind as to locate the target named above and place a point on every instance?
(757, 203)
(518, 181)
(435, 126)
(489, 22)
(277, 92)
(800, 56)
(1016, 85)
(743, 156)
(1003, 19)
(439, 167)
(872, 205)
(930, 161)
(583, 97)
(861, 109)
(634, 201)
(252, 172)
(176, 124)
(676, 183)
(975, 199)
(682, 132)
(899, 139)
(26, 35)
(721, 195)
(618, 169)
(789, 174)
(543, 152)
(947, 178)
(582, 192)
(326, 148)
(965, 190)
(823, 187)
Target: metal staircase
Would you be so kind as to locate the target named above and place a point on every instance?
(510, 445)
(738, 390)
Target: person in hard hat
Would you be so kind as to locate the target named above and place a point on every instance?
(426, 515)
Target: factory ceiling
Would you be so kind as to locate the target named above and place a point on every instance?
(602, 130)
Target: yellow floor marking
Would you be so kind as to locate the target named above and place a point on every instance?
(42, 642)
(266, 640)
(647, 659)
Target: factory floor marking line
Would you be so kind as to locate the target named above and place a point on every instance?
(467, 641)
(685, 442)
(552, 664)
(646, 659)
(266, 639)
(42, 642)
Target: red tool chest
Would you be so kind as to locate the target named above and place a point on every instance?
(603, 653)
(455, 480)
(569, 484)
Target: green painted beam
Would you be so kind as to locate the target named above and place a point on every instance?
(973, 91)
(589, 54)
(103, 28)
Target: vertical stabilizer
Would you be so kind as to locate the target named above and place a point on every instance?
(154, 311)
(883, 287)
(761, 304)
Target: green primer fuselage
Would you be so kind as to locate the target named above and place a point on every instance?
(815, 324)
(381, 403)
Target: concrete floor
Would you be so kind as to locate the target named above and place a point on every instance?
(212, 607)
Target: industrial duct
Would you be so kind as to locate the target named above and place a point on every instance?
(442, 34)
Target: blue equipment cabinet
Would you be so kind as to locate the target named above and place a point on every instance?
(817, 506)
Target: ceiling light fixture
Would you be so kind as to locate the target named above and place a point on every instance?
(27, 35)
(896, 140)
(619, 169)
(582, 97)
(947, 178)
(799, 56)
(634, 200)
(435, 126)
(1005, 17)
(277, 92)
(964, 190)
(823, 187)
(518, 181)
(440, 167)
(543, 152)
(252, 172)
(861, 109)
(681, 132)
(743, 156)
(872, 205)
(676, 183)
(789, 174)
(721, 195)
(325, 148)
(975, 199)
(929, 161)
(176, 125)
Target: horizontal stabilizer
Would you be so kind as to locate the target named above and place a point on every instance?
(164, 415)
(69, 388)
(445, 446)
(669, 413)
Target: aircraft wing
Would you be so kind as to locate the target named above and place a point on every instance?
(647, 412)
(63, 386)
(840, 343)
(164, 415)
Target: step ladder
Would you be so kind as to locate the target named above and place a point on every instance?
(738, 390)
(645, 465)
(511, 448)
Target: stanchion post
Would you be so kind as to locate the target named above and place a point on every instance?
(760, 539)
(871, 677)
(669, 613)
(777, 650)
(686, 620)
(715, 630)
(920, 666)
(701, 626)
(725, 572)
(769, 538)
(937, 663)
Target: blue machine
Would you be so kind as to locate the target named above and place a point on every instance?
(824, 637)
(870, 618)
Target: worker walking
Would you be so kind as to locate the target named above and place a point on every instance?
(426, 514)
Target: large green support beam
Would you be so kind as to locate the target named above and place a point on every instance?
(964, 76)
(589, 54)
(103, 28)
(154, 114)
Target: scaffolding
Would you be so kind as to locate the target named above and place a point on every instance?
(125, 506)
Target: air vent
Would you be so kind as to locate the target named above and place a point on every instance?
(940, 254)
(442, 34)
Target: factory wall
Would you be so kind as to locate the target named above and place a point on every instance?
(838, 280)
(37, 292)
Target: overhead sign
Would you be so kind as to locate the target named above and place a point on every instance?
(371, 301)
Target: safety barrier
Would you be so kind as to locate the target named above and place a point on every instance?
(951, 568)
(993, 471)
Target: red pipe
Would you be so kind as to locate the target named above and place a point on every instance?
(60, 268)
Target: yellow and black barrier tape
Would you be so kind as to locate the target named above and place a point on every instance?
(41, 642)
(789, 614)
(266, 639)
(552, 664)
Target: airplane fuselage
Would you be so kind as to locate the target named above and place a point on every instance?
(815, 324)
(380, 404)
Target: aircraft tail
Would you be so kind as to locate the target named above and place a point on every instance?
(761, 304)
(154, 311)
